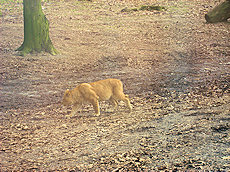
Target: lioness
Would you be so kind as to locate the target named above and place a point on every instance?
(108, 89)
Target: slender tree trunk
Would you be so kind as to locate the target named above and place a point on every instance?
(220, 13)
(36, 29)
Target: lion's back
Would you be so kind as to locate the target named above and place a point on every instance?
(105, 88)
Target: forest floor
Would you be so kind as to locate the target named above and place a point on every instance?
(175, 67)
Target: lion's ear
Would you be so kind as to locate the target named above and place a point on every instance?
(67, 92)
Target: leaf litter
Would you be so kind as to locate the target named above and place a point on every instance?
(174, 67)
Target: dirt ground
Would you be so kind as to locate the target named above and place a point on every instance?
(175, 67)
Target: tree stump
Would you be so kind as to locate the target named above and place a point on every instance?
(220, 13)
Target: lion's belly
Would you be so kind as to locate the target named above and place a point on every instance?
(103, 92)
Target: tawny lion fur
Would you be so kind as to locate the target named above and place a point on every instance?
(108, 89)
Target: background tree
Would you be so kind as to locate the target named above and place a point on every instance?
(219, 13)
(36, 29)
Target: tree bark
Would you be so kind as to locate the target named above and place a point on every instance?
(219, 14)
(36, 29)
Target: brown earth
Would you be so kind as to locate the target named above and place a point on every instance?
(174, 66)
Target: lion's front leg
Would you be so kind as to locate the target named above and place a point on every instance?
(96, 108)
(74, 110)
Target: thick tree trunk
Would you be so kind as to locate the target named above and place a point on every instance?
(220, 13)
(36, 29)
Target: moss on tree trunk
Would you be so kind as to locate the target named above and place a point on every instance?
(220, 13)
(36, 29)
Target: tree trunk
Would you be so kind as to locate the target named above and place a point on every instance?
(219, 14)
(36, 29)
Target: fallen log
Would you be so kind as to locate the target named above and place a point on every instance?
(220, 13)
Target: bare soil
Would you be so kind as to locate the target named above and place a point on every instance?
(175, 67)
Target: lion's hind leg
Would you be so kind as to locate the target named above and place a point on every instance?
(128, 104)
(124, 98)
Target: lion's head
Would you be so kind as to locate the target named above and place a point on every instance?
(67, 99)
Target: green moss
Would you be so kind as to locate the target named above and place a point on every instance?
(86, 0)
(144, 8)
(151, 8)
(129, 10)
